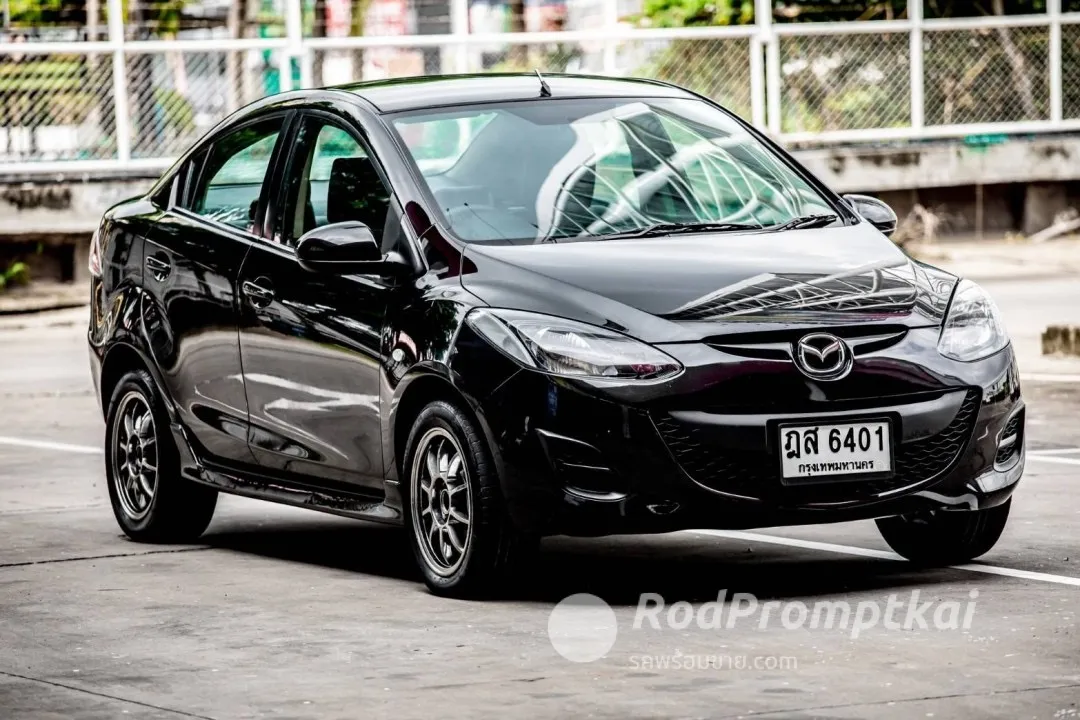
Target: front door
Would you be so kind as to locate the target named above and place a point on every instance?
(310, 342)
(192, 260)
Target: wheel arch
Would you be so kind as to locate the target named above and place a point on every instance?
(424, 389)
(426, 386)
(121, 359)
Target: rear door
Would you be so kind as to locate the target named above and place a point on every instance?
(192, 260)
(311, 342)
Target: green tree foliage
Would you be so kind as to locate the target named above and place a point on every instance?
(33, 13)
(16, 273)
(718, 69)
(687, 13)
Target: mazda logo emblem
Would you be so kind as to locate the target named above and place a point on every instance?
(822, 356)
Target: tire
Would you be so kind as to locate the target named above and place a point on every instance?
(945, 538)
(461, 535)
(151, 501)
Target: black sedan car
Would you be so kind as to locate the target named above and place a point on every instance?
(494, 308)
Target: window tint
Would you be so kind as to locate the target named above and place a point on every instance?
(187, 178)
(231, 181)
(333, 180)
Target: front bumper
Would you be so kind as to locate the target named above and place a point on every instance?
(583, 458)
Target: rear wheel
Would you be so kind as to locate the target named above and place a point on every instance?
(945, 537)
(463, 539)
(151, 501)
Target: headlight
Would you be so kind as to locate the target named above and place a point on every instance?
(973, 328)
(565, 347)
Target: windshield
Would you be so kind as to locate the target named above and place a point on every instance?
(554, 170)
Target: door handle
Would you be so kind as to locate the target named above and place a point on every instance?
(258, 295)
(158, 268)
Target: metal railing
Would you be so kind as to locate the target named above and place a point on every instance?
(121, 104)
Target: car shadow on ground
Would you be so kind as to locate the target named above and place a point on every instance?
(618, 569)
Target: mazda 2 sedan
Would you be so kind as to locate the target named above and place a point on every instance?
(495, 308)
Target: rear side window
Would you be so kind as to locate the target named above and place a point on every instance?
(231, 181)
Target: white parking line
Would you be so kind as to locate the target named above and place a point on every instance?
(49, 445)
(1054, 459)
(1040, 455)
(1054, 456)
(883, 555)
(795, 542)
(1050, 377)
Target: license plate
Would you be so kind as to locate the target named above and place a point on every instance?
(855, 449)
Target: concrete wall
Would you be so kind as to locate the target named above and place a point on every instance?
(60, 205)
(946, 163)
(47, 222)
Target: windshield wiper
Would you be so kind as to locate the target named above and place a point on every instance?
(670, 228)
(806, 221)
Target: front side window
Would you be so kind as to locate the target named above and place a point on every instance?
(333, 179)
(231, 180)
(553, 170)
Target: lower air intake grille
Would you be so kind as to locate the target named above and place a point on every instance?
(756, 474)
(1013, 429)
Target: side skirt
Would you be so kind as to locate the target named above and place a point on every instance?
(335, 502)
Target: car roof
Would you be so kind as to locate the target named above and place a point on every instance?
(417, 93)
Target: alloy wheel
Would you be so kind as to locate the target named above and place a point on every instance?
(442, 502)
(135, 455)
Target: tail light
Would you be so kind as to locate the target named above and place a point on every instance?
(95, 255)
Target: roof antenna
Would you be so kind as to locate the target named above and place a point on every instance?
(545, 91)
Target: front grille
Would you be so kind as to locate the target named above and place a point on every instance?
(1014, 428)
(756, 474)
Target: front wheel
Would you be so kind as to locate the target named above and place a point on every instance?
(463, 539)
(945, 537)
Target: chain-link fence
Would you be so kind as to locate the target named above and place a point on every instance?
(177, 95)
(1070, 71)
(140, 93)
(340, 66)
(845, 82)
(717, 68)
(987, 75)
(56, 106)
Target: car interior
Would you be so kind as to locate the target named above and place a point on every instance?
(558, 162)
(586, 172)
(351, 191)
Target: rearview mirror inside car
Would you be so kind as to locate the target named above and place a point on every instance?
(874, 212)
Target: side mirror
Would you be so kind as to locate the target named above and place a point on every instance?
(345, 248)
(874, 212)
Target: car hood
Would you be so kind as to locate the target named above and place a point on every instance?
(685, 287)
